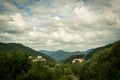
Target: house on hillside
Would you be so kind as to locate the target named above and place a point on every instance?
(38, 58)
(30, 57)
(78, 61)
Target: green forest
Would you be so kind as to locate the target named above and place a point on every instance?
(101, 64)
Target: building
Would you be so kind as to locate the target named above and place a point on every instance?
(78, 61)
(30, 57)
(38, 58)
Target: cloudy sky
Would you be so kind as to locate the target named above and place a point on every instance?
(60, 24)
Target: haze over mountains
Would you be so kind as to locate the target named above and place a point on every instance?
(61, 55)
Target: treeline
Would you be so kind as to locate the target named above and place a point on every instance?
(104, 65)
(17, 66)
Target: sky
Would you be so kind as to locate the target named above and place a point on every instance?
(70, 25)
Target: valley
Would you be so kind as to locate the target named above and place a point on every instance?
(31, 64)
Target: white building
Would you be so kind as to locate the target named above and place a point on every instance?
(78, 61)
(38, 58)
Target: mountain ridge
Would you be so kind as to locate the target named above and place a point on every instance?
(62, 55)
(90, 54)
(7, 47)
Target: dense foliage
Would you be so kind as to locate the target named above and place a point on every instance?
(94, 51)
(103, 65)
(13, 64)
(17, 66)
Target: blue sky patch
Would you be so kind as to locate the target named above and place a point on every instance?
(22, 7)
(85, 1)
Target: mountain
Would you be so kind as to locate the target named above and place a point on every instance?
(90, 53)
(47, 52)
(97, 50)
(7, 47)
(79, 56)
(61, 55)
(103, 63)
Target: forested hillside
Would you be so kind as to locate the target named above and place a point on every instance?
(103, 65)
(15, 47)
(94, 51)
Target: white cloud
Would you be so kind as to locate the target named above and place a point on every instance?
(18, 21)
(85, 15)
(57, 18)
(4, 18)
(67, 24)
(109, 18)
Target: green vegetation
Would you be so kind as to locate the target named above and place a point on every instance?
(94, 51)
(12, 65)
(103, 65)
(8, 47)
(17, 66)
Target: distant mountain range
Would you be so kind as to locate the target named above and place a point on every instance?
(61, 55)
(14, 47)
(67, 57)
(47, 52)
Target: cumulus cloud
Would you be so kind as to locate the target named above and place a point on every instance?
(60, 24)
(17, 21)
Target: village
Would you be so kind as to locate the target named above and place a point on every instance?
(40, 58)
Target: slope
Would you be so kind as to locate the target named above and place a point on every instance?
(6, 47)
(94, 51)
(104, 64)
(61, 55)
(47, 52)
